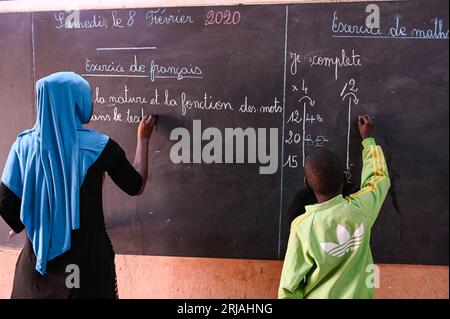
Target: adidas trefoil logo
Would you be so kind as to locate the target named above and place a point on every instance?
(346, 243)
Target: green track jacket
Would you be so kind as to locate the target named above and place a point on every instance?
(328, 254)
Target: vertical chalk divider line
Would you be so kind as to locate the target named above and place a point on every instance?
(303, 134)
(311, 103)
(347, 164)
(282, 131)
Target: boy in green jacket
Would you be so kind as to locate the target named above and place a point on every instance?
(328, 254)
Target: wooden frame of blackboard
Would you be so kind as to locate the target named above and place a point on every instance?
(11, 6)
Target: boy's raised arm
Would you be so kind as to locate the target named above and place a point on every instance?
(375, 181)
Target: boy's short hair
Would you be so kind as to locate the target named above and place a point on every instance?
(324, 172)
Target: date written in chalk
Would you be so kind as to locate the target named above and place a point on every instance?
(226, 309)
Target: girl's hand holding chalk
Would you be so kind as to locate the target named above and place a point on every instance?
(146, 126)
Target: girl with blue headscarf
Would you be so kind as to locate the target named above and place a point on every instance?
(52, 187)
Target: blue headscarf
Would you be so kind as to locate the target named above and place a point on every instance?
(48, 163)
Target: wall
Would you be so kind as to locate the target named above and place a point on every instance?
(174, 277)
(185, 278)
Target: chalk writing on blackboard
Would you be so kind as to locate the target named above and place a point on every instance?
(349, 95)
(65, 21)
(336, 62)
(434, 30)
(164, 16)
(225, 17)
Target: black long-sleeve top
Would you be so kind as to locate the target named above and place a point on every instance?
(91, 250)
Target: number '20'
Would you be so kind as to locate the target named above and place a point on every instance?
(225, 17)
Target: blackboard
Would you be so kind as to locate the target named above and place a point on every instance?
(257, 67)
(16, 90)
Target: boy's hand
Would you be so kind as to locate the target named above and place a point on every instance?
(365, 126)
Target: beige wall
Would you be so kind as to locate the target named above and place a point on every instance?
(175, 277)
